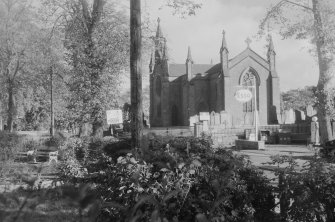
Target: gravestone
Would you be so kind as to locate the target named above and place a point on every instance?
(303, 115)
(289, 116)
(194, 119)
(212, 117)
(310, 111)
(225, 119)
(217, 119)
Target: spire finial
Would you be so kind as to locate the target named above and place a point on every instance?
(224, 43)
(159, 32)
(189, 55)
(248, 41)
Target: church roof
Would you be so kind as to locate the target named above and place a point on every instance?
(176, 70)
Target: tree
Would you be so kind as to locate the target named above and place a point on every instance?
(18, 35)
(316, 22)
(97, 49)
(298, 99)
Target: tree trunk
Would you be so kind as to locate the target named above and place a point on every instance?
(52, 120)
(11, 107)
(324, 86)
(97, 128)
(136, 73)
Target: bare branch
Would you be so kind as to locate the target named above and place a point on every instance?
(300, 5)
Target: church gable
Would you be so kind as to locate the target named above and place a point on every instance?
(248, 53)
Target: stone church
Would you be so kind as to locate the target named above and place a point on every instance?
(179, 92)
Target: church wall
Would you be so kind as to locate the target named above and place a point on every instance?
(264, 103)
(165, 101)
(185, 102)
(176, 118)
(212, 93)
(201, 95)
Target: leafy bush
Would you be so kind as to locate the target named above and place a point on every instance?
(175, 179)
(307, 194)
(30, 145)
(10, 143)
(56, 141)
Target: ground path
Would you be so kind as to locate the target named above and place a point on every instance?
(261, 158)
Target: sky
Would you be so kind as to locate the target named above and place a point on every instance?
(240, 19)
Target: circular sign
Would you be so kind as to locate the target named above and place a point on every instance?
(243, 95)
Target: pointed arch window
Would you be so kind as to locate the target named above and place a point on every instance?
(249, 80)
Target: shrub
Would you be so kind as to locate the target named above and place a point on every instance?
(30, 145)
(175, 183)
(10, 143)
(307, 194)
(56, 141)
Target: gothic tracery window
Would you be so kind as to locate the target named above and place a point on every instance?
(249, 81)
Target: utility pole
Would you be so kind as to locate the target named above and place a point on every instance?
(136, 73)
(52, 130)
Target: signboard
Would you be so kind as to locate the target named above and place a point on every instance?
(204, 116)
(243, 95)
(114, 116)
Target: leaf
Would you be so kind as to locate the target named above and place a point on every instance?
(165, 170)
(201, 218)
(143, 200)
(170, 195)
(196, 163)
(87, 200)
(155, 216)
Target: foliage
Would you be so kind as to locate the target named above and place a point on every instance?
(175, 179)
(95, 60)
(62, 203)
(298, 99)
(184, 7)
(307, 194)
(56, 141)
(10, 143)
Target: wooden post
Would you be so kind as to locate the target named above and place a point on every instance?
(52, 133)
(136, 73)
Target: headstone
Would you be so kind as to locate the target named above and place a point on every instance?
(310, 111)
(303, 116)
(205, 126)
(289, 116)
(194, 119)
(225, 119)
(204, 116)
(212, 122)
(298, 117)
(217, 119)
